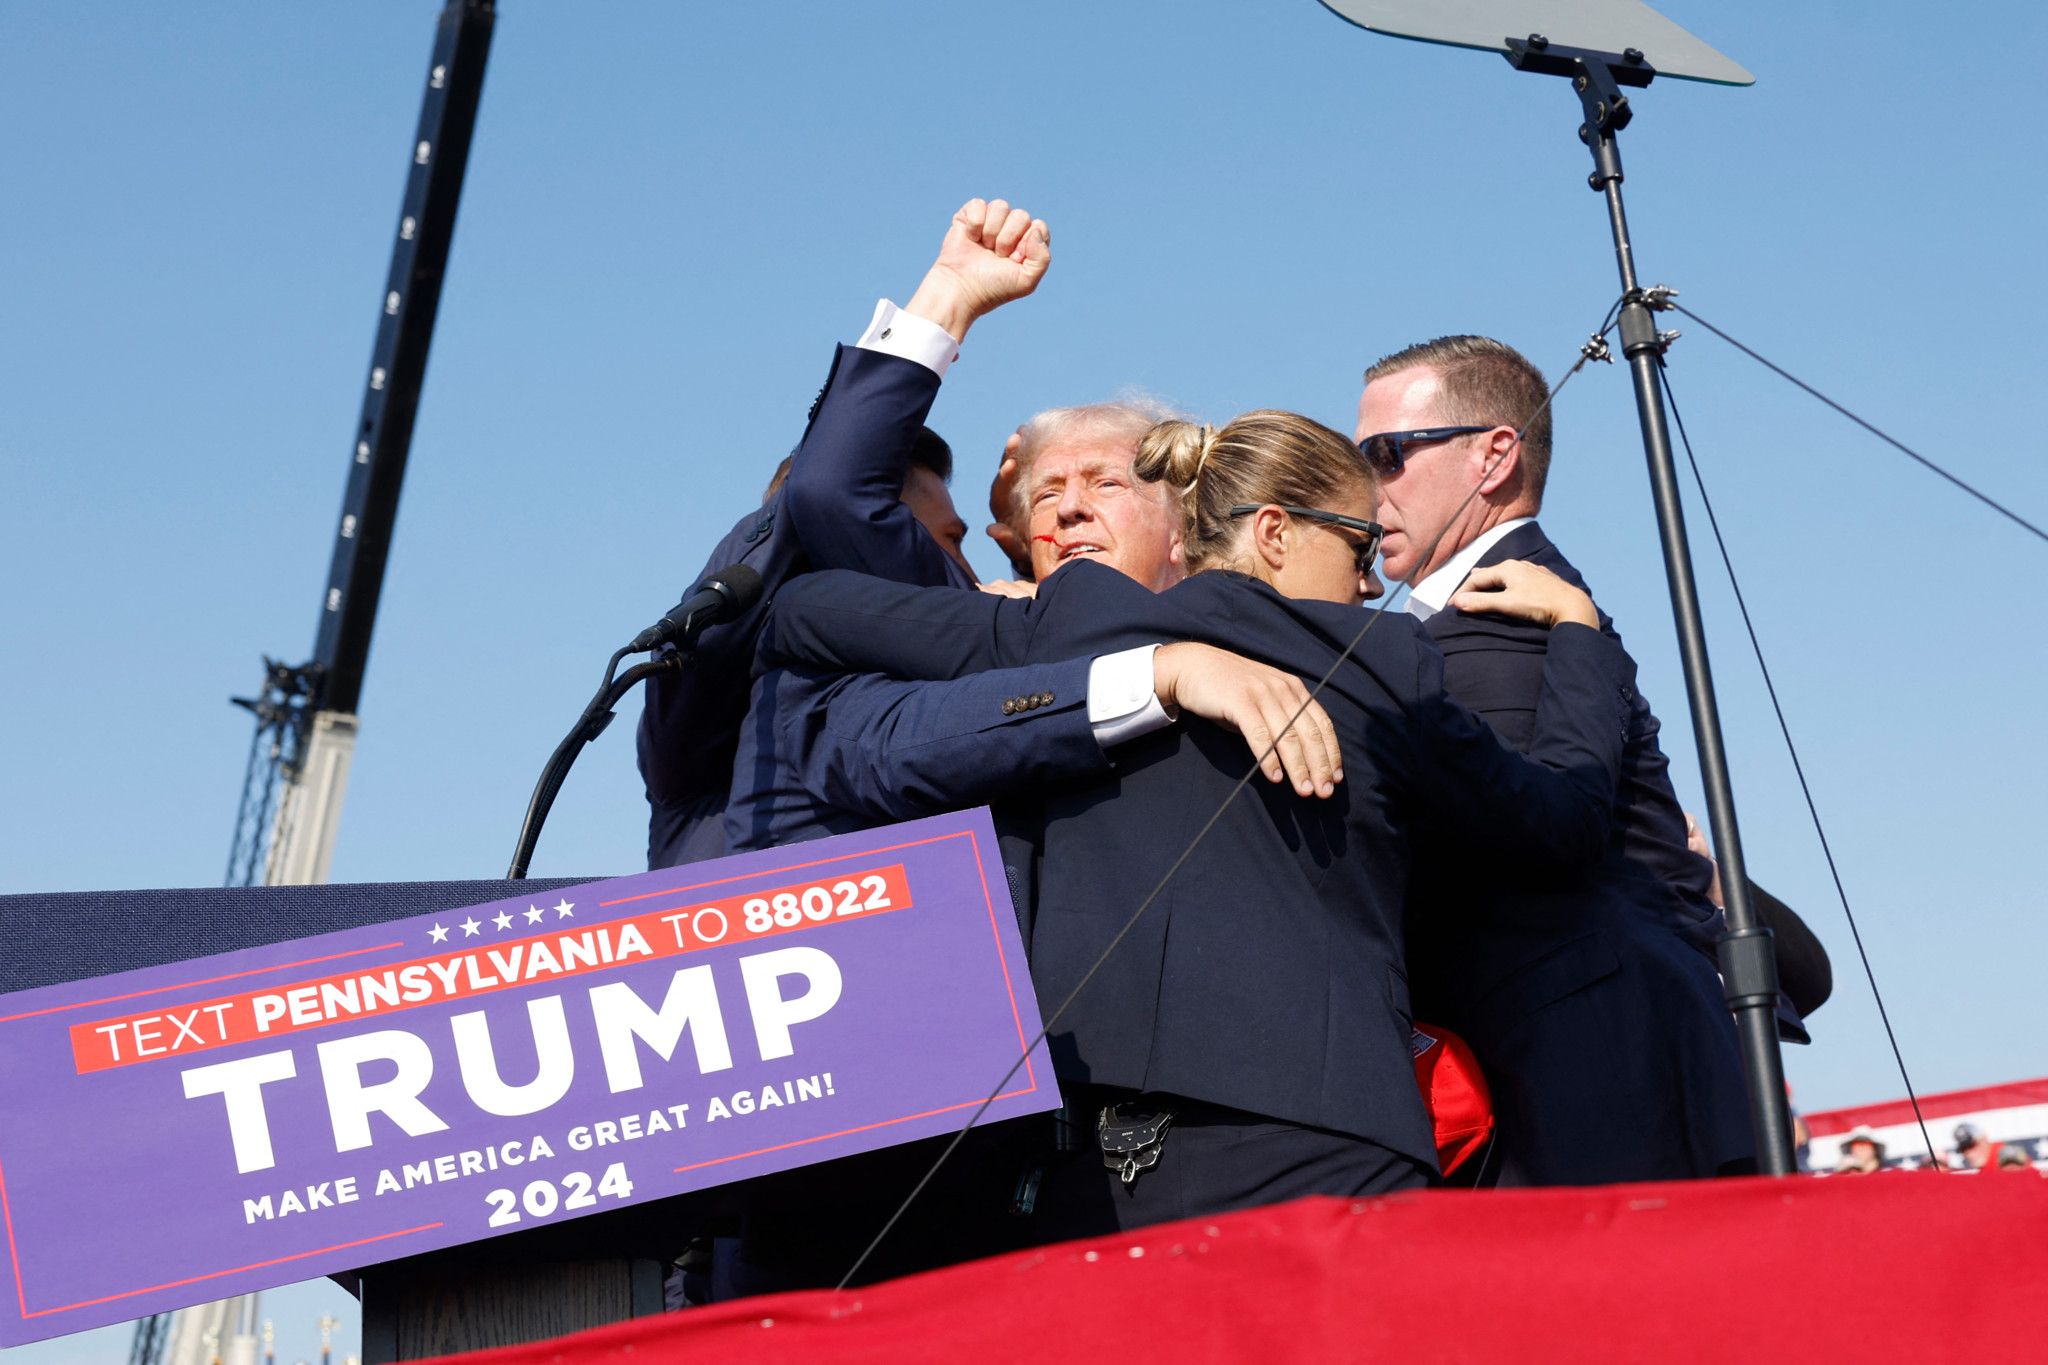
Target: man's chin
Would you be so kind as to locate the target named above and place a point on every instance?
(1099, 556)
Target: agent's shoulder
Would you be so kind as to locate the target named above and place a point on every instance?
(1340, 627)
(1088, 587)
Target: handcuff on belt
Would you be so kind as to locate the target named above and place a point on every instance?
(1131, 1136)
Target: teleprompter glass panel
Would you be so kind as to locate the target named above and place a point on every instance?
(1597, 25)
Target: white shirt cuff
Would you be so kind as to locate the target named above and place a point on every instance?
(895, 332)
(1121, 702)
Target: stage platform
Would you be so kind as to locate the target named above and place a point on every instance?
(1893, 1267)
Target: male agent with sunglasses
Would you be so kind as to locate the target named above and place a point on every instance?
(1594, 1006)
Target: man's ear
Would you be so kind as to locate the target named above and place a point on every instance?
(1500, 460)
(1177, 549)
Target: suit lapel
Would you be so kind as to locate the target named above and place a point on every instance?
(1524, 542)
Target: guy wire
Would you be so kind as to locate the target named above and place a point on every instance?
(1886, 437)
(1372, 617)
(1798, 768)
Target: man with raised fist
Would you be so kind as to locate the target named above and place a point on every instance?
(866, 490)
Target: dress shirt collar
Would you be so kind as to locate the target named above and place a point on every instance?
(1428, 597)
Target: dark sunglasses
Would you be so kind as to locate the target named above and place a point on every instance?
(1386, 450)
(1363, 551)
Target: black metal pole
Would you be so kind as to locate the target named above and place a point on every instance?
(398, 357)
(1749, 971)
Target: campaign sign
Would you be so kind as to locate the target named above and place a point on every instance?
(237, 1122)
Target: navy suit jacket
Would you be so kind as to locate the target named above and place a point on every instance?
(841, 507)
(842, 752)
(1268, 977)
(1494, 665)
(1635, 930)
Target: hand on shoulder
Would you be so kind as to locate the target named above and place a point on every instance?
(1526, 592)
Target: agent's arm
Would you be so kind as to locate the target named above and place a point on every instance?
(844, 493)
(1551, 810)
(890, 749)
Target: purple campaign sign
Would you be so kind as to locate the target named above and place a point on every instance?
(238, 1122)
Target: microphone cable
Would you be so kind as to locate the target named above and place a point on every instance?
(1592, 350)
(1798, 768)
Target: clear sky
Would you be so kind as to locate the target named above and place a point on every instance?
(673, 211)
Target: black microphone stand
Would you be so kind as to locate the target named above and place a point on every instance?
(1749, 971)
(596, 716)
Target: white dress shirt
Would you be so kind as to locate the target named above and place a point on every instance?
(895, 332)
(1428, 597)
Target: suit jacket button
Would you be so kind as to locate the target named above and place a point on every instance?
(1048, 699)
(1010, 707)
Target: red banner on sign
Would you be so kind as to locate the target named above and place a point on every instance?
(460, 974)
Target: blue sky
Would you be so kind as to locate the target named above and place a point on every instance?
(673, 212)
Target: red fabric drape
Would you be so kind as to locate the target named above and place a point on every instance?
(1886, 1268)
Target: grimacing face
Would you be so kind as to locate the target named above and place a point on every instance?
(1082, 501)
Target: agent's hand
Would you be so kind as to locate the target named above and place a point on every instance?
(1696, 840)
(1527, 592)
(1003, 504)
(1258, 702)
(1006, 587)
(992, 254)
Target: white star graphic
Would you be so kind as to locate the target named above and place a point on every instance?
(439, 933)
(502, 920)
(565, 910)
(470, 926)
(533, 914)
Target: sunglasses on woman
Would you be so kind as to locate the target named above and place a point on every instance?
(1363, 551)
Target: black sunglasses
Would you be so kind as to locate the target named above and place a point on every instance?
(1386, 450)
(1363, 551)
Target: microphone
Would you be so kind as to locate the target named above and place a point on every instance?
(721, 597)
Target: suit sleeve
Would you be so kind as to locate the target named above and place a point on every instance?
(893, 750)
(850, 623)
(838, 622)
(843, 496)
(1551, 810)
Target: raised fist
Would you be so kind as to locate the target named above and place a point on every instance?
(992, 254)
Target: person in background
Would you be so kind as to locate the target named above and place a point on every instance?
(1862, 1154)
(1973, 1150)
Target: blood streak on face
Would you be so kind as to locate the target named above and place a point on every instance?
(1084, 502)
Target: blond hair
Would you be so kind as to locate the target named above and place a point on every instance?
(1268, 456)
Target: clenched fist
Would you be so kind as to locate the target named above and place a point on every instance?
(992, 254)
